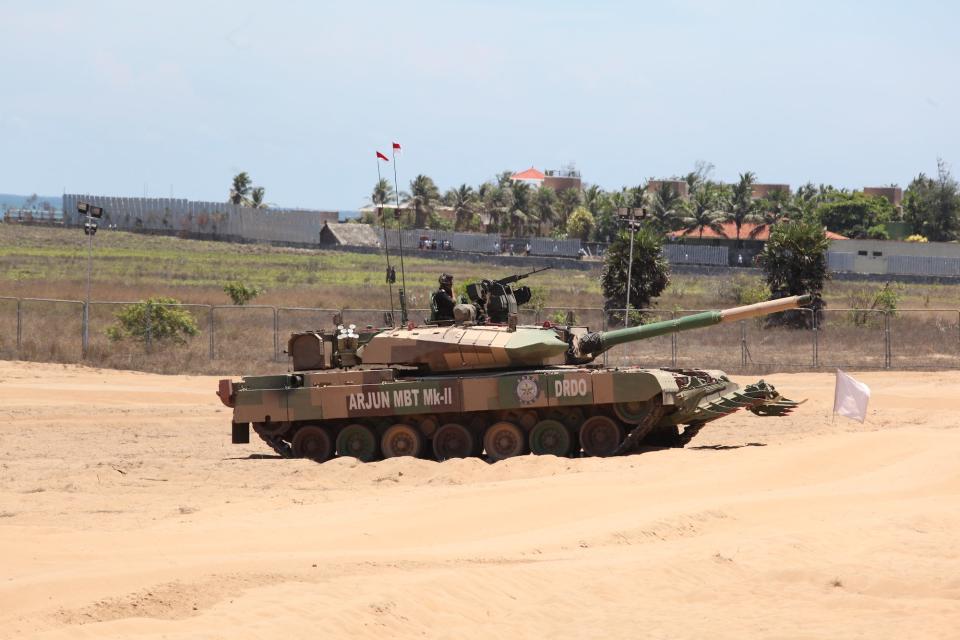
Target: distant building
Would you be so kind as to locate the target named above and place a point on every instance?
(562, 179)
(532, 176)
(680, 186)
(348, 234)
(764, 190)
(893, 195)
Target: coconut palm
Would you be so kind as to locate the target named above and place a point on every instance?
(382, 193)
(567, 201)
(742, 206)
(545, 205)
(705, 212)
(463, 200)
(423, 197)
(256, 198)
(666, 206)
(774, 208)
(240, 188)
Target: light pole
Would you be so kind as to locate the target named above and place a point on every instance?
(91, 216)
(632, 223)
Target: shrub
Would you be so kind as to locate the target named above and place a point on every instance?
(866, 303)
(916, 238)
(153, 319)
(650, 273)
(241, 294)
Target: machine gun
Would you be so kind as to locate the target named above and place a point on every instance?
(494, 301)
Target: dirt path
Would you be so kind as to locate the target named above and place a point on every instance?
(125, 512)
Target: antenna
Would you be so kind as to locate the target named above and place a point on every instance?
(391, 274)
(403, 274)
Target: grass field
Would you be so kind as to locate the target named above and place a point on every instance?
(40, 262)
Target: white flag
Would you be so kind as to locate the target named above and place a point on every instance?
(850, 397)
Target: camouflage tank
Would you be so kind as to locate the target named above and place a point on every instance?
(481, 385)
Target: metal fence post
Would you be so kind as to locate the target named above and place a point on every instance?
(276, 335)
(19, 328)
(85, 329)
(673, 342)
(887, 356)
(743, 343)
(816, 340)
(210, 330)
(149, 326)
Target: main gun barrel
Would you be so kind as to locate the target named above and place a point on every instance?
(596, 343)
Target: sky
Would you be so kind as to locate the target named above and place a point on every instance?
(174, 98)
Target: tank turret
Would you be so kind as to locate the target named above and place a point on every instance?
(467, 346)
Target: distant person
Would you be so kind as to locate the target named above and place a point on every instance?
(441, 302)
(433, 245)
(496, 247)
(526, 250)
(740, 259)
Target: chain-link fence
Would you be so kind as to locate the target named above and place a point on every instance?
(226, 338)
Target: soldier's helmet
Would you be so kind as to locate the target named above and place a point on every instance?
(446, 278)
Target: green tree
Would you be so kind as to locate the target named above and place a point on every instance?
(704, 212)
(580, 223)
(545, 206)
(931, 205)
(240, 293)
(256, 198)
(794, 259)
(742, 207)
(155, 319)
(854, 214)
(666, 206)
(521, 213)
(382, 193)
(423, 197)
(649, 276)
(771, 210)
(240, 188)
(463, 200)
(567, 201)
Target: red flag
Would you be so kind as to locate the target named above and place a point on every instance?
(382, 157)
(396, 146)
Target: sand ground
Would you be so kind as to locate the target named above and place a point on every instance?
(125, 512)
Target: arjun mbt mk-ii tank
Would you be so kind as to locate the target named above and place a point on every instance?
(481, 385)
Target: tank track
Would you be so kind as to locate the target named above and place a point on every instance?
(276, 443)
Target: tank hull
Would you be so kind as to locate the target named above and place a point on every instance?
(383, 412)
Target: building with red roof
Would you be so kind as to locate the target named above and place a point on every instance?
(730, 233)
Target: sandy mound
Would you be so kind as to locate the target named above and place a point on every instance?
(125, 512)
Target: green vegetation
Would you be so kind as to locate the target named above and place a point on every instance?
(154, 319)
(932, 205)
(649, 275)
(240, 294)
(794, 259)
(855, 215)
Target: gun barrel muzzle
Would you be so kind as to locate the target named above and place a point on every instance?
(764, 308)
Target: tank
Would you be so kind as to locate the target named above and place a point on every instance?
(480, 385)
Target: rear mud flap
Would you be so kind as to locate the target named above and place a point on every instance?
(241, 433)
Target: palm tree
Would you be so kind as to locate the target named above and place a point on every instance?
(256, 198)
(742, 207)
(593, 199)
(704, 212)
(382, 193)
(568, 200)
(775, 207)
(667, 206)
(240, 188)
(462, 199)
(521, 213)
(545, 204)
(423, 196)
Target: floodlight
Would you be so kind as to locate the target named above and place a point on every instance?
(96, 212)
(82, 207)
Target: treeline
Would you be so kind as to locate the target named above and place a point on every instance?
(930, 207)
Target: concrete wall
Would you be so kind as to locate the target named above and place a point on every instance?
(202, 219)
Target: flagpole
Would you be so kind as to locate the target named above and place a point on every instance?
(386, 243)
(403, 274)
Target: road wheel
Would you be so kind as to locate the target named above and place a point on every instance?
(504, 440)
(357, 441)
(313, 442)
(600, 436)
(453, 440)
(550, 437)
(633, 412)
(401, 440)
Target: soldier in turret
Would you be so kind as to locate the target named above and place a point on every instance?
(442, 302)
